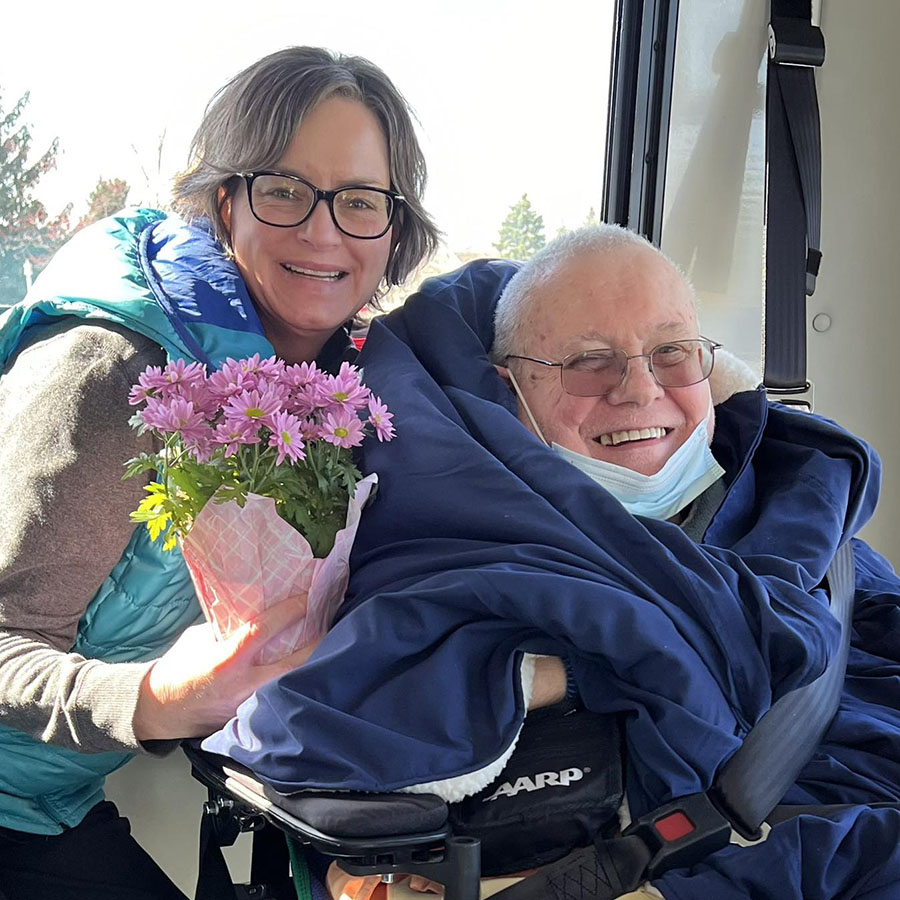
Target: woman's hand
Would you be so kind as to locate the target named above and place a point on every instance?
(196, 686)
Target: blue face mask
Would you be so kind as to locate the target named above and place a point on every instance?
(687, 473)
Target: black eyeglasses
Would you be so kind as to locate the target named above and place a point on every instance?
(286, 201)
(594, 373)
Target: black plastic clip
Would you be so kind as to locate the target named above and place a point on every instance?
(681, 833)
(795, 42)
(813, 261)
(801, 397)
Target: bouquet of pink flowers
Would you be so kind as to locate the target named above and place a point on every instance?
(257, 483)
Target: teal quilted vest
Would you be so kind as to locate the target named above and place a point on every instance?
(170, 283)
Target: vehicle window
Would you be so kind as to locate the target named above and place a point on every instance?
(717, 150)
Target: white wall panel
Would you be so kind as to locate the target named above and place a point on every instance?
(713, 210)
(856, 363)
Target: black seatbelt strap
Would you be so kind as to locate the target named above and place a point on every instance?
(793, 194)
(785, 738)
(747, 788)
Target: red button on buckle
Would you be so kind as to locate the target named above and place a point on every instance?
(673, 826)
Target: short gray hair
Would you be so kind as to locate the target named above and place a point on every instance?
(509, 316)
(250, 122)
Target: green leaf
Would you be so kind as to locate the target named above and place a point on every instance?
(146, 462)
(158, 525)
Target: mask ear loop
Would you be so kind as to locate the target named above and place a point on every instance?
(534, 424)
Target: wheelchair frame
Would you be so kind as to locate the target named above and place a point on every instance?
(239, 803)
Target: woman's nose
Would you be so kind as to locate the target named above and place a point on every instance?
(319, 228)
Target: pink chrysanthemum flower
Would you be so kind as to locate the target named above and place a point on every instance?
(269, 372)
(150, 381)
(305, 401)
(310, 429)
(235, 433)
(181, 375)
(300, 375)
(175, 414)
(155, 414)
(345, 390)
(201, 396)
(380, 418)
(201, 447)
(256, 407)
(270, 368)
(252, 373)
(342, 428)
(230, 381)
(306, 381)
(287, 437)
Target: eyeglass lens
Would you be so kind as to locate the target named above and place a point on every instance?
(597, 372)
(278, 200)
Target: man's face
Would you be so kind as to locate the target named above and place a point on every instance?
(630, 299)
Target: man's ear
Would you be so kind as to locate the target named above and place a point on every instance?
(503, 372)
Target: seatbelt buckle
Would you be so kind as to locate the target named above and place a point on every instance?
(795, 42)
(801, 397)
(681, 833)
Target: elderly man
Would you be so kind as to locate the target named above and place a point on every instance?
(603, 349)
(670, 560)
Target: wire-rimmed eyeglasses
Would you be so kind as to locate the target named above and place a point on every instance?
(594, 373)
(285, 201)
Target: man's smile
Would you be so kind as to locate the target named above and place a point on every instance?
(613, 438)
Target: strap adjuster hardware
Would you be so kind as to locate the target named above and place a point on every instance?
(681, 833)
(740, 841)
(802, 397)
(796, 42)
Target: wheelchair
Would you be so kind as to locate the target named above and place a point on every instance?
(367, 834)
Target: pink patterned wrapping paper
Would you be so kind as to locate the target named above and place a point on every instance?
(244, 560)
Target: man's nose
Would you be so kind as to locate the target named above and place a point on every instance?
(638, 385)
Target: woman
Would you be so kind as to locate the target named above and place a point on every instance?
(301, 202)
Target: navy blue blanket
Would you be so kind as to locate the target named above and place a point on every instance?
(482, 543)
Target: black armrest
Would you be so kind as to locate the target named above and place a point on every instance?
(329, 820)
(366, 833)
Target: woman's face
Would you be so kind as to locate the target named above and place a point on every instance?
(308, 280)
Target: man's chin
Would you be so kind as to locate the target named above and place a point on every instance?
(646, 457)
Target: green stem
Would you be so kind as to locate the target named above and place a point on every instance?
(168, 446)
(255, 468)
(313, 457)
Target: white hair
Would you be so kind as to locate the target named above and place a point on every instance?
(509, 316)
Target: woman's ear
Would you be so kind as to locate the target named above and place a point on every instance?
(223, 199)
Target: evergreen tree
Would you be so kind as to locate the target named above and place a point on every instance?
(108, 197)
(26, 230)
(591, 218)
(522, 231)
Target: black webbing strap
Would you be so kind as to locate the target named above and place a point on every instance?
(744, 793)
(595, 873)
(793, 191)
(213, 880)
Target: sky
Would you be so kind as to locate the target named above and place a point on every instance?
(511, 96)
